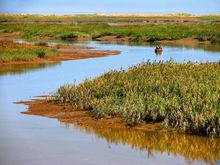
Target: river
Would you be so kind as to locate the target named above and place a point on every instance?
(30, 140)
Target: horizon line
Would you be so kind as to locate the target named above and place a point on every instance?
(113, 14)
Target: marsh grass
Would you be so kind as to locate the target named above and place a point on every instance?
(10, 51)
(182, 96)
(148, 33)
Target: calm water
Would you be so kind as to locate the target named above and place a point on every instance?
(37, 140)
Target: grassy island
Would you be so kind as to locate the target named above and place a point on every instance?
(15, 52)
(182, 96)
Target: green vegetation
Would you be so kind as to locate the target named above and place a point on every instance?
(25, 55)
(10, 52)
(212, 17)
(40, 53)
(136, 33)
(182, 96)
(72, 35)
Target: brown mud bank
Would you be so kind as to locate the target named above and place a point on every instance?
(10, 35)
(81, 52)
(65, 52)
(67, 114)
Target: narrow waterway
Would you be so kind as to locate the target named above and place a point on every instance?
(38, 140)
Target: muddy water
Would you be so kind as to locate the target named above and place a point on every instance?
(37, 140)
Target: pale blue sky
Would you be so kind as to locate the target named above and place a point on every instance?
(110, 6)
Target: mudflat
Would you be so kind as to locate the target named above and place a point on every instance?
(68, 114)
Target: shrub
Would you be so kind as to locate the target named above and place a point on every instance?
(41, 54)
(41, 43)
(70, 36)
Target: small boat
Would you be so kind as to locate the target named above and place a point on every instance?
(158, 50)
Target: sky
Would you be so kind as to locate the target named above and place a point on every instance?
(61, 7)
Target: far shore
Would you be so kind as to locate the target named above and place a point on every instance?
(76, 52)
(113, 38)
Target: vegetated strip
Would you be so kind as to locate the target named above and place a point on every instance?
(15, 52)
(41, 52)
(103, 31)
(182, 96)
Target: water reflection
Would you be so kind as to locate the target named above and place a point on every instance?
(206, 47)
(192, 148)
(201, 46)
(24, 68)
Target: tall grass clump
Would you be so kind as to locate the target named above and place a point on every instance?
(183, 96)
(72, 36)
(41, 53)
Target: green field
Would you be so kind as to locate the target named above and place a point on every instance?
(181, 96)
(136, 33)
(138, 29)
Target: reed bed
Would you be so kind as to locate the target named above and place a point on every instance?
(182, 96)
(10, 52)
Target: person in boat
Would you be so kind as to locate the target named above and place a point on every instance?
(158, 49)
